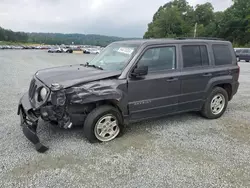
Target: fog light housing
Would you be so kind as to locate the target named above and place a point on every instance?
(45, 114)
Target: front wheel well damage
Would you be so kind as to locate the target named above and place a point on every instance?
(93, 105)
(113, 103)
(80, 112)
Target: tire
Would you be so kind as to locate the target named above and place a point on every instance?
(207, 111)
(95, 118)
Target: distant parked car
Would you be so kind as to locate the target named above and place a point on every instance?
(91, 51)
(55, 50)
(244, 54)
(237, 52)
(67, 50)
(86, 51)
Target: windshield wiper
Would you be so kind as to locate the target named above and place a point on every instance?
(94, 66)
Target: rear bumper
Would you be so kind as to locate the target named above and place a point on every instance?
(28, 122)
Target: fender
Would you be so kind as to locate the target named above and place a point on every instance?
(227, 79)
(98, 92)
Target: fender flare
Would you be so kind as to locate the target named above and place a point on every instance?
(217, 81)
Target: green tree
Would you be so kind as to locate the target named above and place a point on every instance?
(171, 20)
(204, 14)
(177, 18)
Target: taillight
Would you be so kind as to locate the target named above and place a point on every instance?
(238, 69)
(238, 66)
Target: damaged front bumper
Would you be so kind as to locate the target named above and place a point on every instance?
(29, 122)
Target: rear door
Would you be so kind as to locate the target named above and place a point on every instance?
(196, 72)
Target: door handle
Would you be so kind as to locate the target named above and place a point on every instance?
(207, 74)
(172, 79)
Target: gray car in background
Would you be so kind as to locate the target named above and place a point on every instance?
(244, 54)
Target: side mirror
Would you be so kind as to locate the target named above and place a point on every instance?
(140, 71)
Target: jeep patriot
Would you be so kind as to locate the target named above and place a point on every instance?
(131, 81)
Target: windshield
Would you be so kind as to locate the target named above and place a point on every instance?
(115, 56)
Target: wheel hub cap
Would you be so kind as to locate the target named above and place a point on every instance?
(106, 128)
(217, 104)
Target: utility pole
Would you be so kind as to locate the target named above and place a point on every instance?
(195, 29)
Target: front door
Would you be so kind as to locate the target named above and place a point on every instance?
(155, 94)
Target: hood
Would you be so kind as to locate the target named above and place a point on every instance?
(71, 75)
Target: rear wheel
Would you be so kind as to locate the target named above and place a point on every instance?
(103, 124)
(216, 104)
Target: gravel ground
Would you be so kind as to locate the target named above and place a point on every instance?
(178, 151)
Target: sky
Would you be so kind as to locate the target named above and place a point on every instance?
(123, 18)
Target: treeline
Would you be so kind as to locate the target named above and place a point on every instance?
(8, 35)
(178, 19)
(56, 38)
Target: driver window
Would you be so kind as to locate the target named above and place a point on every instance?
(158, 58)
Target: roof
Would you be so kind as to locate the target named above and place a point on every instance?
(169, 40)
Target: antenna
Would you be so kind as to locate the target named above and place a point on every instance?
(195, 29)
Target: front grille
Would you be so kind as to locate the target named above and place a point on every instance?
(32, 89)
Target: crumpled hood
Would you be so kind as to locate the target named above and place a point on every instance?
(71, 75)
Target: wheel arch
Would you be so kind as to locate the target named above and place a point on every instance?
(224, 82)
(111, 102)
(228, 88)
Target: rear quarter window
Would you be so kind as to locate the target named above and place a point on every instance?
(222, 54)
(246, 51)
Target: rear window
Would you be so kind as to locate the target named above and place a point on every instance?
(194, 55)
(222, 54)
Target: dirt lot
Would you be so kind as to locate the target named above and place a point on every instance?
(178, 151)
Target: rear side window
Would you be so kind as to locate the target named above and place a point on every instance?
(222, 54)
(194, 55)
(246, 51)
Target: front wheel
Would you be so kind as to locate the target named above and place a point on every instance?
(103, 124)
(216, 104)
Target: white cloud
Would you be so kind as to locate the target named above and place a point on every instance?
(111, 17)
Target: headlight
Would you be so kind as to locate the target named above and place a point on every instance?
(43, 93)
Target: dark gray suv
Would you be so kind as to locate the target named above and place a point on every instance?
(244, 54)
(131, 81)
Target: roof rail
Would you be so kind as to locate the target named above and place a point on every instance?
(197, 38)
